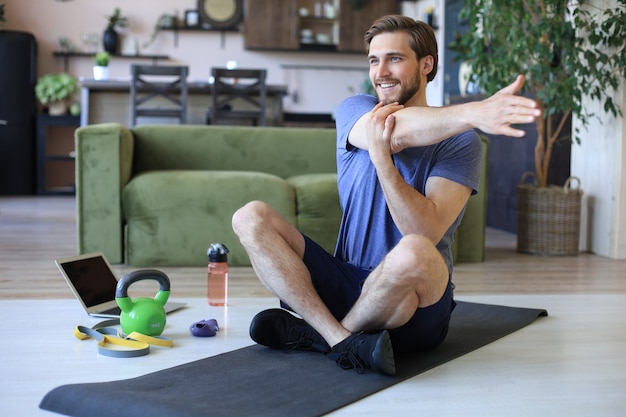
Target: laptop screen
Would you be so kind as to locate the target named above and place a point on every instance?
(92, 279)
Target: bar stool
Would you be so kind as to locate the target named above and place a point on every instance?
(155, 85)
(230, 88)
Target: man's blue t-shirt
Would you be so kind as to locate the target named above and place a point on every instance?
(367, 232)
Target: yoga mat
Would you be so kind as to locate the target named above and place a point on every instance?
(258, 381)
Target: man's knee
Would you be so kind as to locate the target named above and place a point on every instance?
(414, 252)
(415, 259)
(248, 217)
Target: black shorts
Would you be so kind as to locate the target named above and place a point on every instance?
(339, 284)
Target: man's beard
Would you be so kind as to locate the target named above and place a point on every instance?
(406, 93)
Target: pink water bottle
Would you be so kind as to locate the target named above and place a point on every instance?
(218, 274)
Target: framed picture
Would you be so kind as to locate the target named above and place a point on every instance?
(192, 18)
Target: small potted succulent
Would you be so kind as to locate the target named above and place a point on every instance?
(101, 68)
(55, 90)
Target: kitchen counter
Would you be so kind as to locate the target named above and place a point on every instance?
(109, 101)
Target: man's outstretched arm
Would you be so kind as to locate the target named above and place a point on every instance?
(420, 126)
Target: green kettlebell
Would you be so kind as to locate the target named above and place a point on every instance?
(143, 315)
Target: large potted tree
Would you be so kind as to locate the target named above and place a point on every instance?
(567, 50)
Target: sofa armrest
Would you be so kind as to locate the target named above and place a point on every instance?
(104, 155)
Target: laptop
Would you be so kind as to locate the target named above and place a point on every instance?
(93, 282)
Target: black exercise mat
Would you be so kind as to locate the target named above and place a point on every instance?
(258, 381)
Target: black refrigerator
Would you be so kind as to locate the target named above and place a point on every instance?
(18, 110)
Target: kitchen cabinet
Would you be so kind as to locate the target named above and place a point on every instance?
(354, 23)
(271, 24)
(311, 25)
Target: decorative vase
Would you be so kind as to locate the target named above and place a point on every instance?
(57, 108)
(548, 218)
(110, 41)
(100, 73)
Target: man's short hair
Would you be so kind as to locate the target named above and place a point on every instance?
(422, 38)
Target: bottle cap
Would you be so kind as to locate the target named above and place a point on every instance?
(217, 252)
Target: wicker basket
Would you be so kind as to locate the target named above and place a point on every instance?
(548, 218)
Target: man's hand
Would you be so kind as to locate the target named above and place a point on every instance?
(379, 126)
(496, 114)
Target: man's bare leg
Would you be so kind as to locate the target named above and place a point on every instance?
(390, 296)
(412, 275)
(276, 249)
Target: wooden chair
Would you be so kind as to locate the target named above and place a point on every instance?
(158, 91)
(232, 88)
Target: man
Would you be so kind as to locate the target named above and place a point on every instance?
(405, 174)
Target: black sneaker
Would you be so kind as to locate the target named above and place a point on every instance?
(280, 329)
(364, 351)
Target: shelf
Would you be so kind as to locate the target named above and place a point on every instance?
(67, 55)
(61, 190)
(318, 47)
(198, 28)
(313, 19)
(63, 120)
(90, 54)
(60, 158)
(324, 67)
(55, 149)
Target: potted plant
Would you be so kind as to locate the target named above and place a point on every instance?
(164, 21)
(101, 69)
(566, 51)
(54, 90)
(110, 38)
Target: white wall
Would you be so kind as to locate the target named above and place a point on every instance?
(417, 10)
(600, 163)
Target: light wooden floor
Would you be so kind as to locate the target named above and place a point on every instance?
(571, 363)
(36, 230)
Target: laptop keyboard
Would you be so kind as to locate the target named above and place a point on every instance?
(115, 311)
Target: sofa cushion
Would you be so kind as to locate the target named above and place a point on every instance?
(161, 207)
(279, 151)
(317, 208)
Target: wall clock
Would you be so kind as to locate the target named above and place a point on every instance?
(220, 14)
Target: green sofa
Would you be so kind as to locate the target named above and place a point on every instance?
(159, 195)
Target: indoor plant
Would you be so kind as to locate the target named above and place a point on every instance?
(164, 21)
(566, 50)
(101, 69)
(54, 90)
(110, 37)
